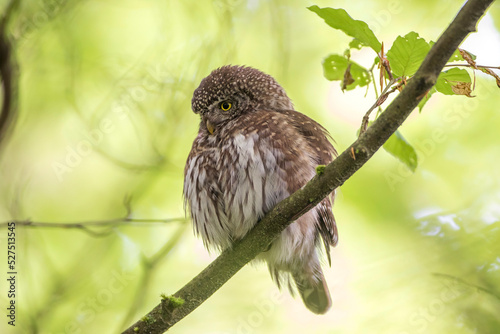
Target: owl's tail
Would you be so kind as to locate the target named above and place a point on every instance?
(315, 295)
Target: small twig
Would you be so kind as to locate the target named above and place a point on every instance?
(373, 80)
(473, 286)
(381, 99)
(111, 223)
(472, 64)
(106, 222)
(384, 65)
(468, 65)
(387, 67)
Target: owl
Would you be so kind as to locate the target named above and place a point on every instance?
(252, 151)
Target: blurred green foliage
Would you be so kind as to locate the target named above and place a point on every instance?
(104, 115)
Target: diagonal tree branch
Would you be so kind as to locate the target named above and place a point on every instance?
(170, 311)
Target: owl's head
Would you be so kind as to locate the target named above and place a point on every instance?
(231, 91)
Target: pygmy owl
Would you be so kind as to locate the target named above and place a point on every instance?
(252, 151)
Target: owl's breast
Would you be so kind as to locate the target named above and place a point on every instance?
(203, 195)
(235, 176)
(251, 180)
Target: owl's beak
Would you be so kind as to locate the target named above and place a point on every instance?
(210, 127)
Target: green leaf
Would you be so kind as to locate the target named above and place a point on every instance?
(355, 44)
(407, 53)
(398, 147)
(448, 78)
(339, 19)
(334, 67)
(456, 56)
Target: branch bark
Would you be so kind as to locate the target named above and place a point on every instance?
(200, 288)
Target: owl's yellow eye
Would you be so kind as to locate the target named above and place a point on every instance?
(225, 105)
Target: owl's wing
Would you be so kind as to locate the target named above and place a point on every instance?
(318, 139)
(316, 135)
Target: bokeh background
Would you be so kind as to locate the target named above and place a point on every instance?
(105, 127)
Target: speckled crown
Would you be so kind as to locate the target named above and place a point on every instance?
(230, 80)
